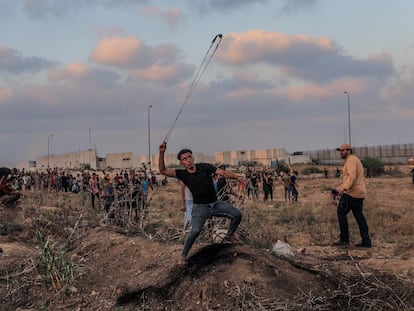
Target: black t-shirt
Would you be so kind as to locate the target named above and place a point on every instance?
(200, 183)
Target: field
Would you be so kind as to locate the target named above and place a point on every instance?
(59, 254)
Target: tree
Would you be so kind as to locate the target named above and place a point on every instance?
(373, 166)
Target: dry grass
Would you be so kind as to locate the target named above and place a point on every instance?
(356, 278)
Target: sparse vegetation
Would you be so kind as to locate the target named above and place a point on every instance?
(136, 270)
(55, 268)
(311, 170)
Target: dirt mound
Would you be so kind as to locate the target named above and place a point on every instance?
(118, 269)
(125, 271)
(222, 277)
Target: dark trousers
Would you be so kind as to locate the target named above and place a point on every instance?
(93, 199)
(268, 192)
(345, 205)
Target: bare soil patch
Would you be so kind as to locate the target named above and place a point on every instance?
(119, 268)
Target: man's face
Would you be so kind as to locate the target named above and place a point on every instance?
(344, 153)
(187, 160)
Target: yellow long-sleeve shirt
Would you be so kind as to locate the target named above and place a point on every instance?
(353, 181)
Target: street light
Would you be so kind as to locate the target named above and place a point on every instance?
(349, 117)
(48, 149)
(149, 138)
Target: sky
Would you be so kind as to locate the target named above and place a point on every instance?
(114, 74)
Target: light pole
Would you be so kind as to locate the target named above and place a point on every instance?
(149, 138)
(349, 117)
(48, 149)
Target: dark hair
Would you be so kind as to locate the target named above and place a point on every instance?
(182, 151)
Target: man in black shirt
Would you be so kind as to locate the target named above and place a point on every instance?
(197, 177)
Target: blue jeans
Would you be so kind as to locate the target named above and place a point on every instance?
(202, 212)
(345, 205)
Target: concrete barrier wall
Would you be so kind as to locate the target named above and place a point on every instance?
(390, 154)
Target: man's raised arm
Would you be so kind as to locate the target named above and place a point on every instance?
(161, 162)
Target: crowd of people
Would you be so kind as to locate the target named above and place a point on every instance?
(101, 186)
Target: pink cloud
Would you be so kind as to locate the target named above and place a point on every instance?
(122, 52)
(158, 73)
(259, 45)
(70, 72)
(5, 94)
(299, 93)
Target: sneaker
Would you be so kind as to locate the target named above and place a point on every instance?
(364, 244)
(340, 243)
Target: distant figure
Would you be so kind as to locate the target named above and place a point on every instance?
(94, 188)
(294, 186)
(108, 194)
(368, 172)
(338, 173)
(325, 172)
(268, 186)
(352, 192)
(254, 184)
(412, 172)
(286, 185)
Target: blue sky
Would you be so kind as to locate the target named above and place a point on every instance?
(277, 79)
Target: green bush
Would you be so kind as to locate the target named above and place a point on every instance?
(283, 167)
(373, 166)
(312, 170)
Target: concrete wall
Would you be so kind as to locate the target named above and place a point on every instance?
(69, 160)
(122, 160)
(390, 154)
(260, 156)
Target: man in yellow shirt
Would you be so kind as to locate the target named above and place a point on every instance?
(352, 192)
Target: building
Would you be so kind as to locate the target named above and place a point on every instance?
(264, 157)
(73, 160)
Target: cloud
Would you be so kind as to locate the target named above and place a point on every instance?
(158, 64)
(84, 75)
(293, 6)
(310, 92)
(5, 94)
(122, 52)
(299, 56)
(242, 81)
(37, 9)
(205, 6)
(13, 62)
(172, 17)
(5, 9)
(165, 74)
(127, 52)
(399, 88)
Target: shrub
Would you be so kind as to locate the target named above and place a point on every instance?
(312, 170)
(282, 167)
(56, 266)
(373, 166)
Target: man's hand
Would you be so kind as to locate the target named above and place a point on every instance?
(163, 147)
(340, 189)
